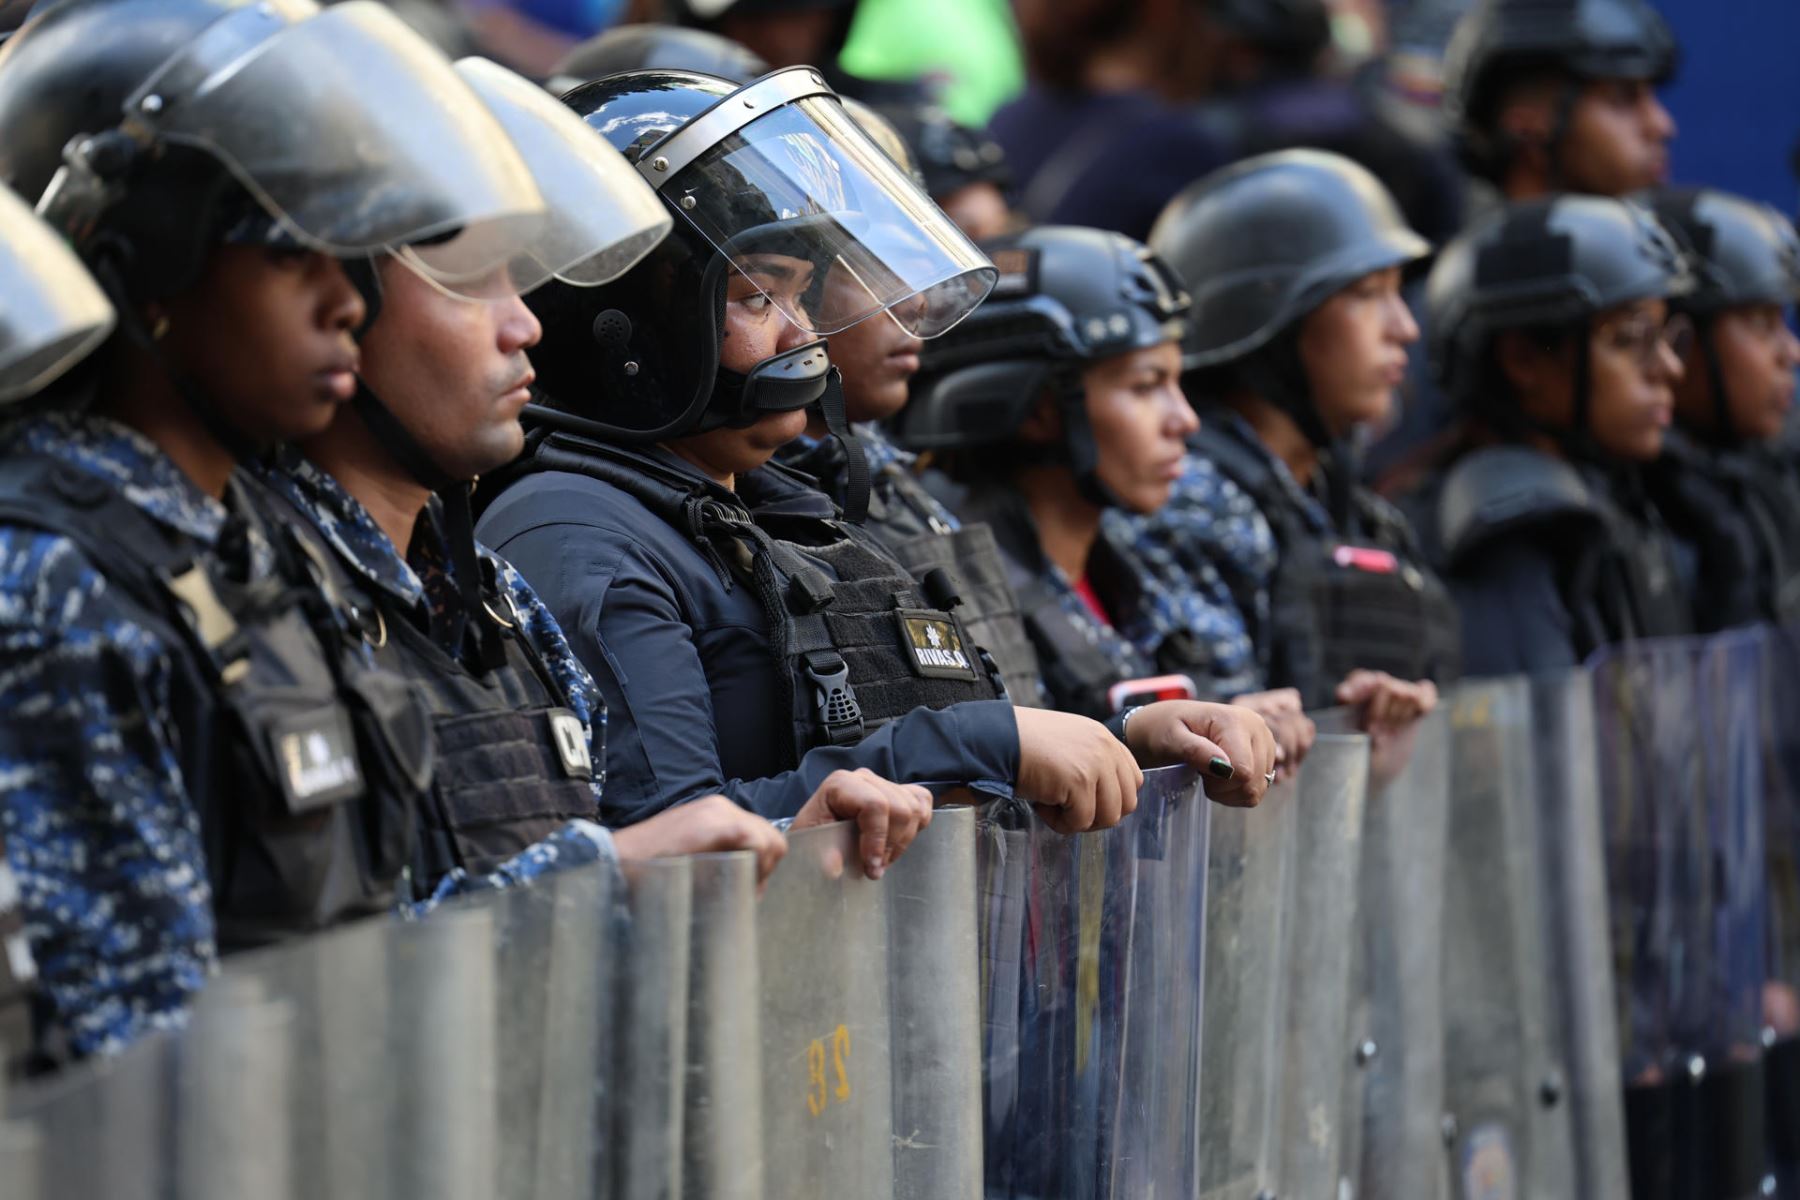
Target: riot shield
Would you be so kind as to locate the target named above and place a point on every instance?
(1503, 1069)
(649, 1042)
(823, 958)
(1781, 816)
(1092, 962)
(1394, 1095)
(1249, 860)
(1572, 851)
(722, 1131)
(1679, 730)
(1318, 1051)
(936, 1007)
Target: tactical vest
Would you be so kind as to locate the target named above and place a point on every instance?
(1740, 511)
(859, 644)
(1354, 599)
(1616, 569)
(304, 762)
(513, 764)
(958, 568)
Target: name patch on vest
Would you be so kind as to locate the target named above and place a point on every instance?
(571, 739)
(315, 757)
(937, 649)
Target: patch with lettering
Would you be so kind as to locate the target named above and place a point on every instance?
(571, 744)
(315, 755)
(935, 645)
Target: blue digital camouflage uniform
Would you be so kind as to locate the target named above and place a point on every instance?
(891, 485)
(424, 578)
(97, 824)
(1205, 561)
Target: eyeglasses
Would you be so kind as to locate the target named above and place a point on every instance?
(1641, 337)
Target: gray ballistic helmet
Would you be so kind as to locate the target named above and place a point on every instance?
(1541, 264)
(1740, 251)
(1265, 241)
(1500, 40)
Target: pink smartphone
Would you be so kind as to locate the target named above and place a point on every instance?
(1130, 693)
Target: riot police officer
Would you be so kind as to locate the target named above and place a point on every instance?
(1057, 401)
(753, 638)
(1561, 97)
(1728, 488)
(1287, 571)
(1551, 332)
(197, 751)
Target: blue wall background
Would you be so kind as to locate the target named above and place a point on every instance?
(1737, 97)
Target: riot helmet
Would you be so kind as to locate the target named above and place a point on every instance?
(1067, 297)
(950, 155)
(52, 314)
(1546, 264)
(655, 48)
(1502, 40)
(1264, 242)
(1739, 252)
(757, 176)
(884, 134)
(151, 128)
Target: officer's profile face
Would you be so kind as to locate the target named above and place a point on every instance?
(1632, 372)
(878, 359)
(1354, 349)
(1141, 421)
(265, 333)
(1756, 355)
(1617, 140)
(452, 370)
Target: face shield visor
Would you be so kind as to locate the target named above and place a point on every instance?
(778, 170)
(600, 216)
(52, 313)
(350, 130)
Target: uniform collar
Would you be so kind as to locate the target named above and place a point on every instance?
(131, 463)
(342, 521)
(1233, 425)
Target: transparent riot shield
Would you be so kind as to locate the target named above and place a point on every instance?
(231, 1112)
(651, 1030)
(1781, 816)
(1318, 1050)
(1394, 1094)
(722, 1128)
(102, 1128)
(1679, 730)
(1571, 847)
(823, 958)
(1092, 963)
(1249, 861)
(936, 1005)
(1502, 1036)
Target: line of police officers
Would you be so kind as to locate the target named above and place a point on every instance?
(688, 332)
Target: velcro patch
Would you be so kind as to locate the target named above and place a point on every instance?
(937, 649)
(571, 740)
(315, 755)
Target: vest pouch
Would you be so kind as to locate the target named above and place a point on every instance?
(399, 755)
(505, 780)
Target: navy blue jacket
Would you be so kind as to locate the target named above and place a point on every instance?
(693, 700)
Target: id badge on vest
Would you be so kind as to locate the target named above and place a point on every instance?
(571, 738)
(935, 645)
(316, 761)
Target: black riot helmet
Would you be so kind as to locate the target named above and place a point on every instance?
(1548, 264)
(950, 155)
(1067, 297)
(1739, 252)
(1264, 242)
(643, 47)
(775, 168)
(1504, 40)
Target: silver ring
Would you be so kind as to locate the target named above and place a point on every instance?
(1270, 778)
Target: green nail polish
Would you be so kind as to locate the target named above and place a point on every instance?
(1219, 768)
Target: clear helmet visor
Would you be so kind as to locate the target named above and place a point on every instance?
(600, 216)
(348, 128)
(803, 181)
(52, 313)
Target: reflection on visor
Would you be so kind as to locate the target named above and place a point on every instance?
(601, 217)
(805, 182)
(348, 127)
(52, 313)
